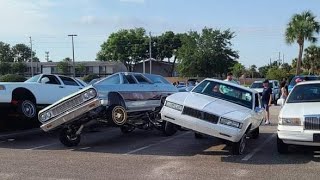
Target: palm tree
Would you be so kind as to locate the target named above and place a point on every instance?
(300, 28)
(312, 58)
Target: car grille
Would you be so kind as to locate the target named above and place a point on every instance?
(66, 105)
(200, 115)
(312, 123)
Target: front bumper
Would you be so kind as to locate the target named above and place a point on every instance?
(216, 130)
(71, 114)
(297, 136)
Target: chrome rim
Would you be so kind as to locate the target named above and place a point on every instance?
(243, 143)
(28, 109)
(119, 115)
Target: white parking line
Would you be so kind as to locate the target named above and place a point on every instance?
(39, 147)
(84, 148)
(154, 144)
(250, 155)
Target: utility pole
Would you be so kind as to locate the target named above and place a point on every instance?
(283, 58)
(31, 58)
(73, 66)
(279, 60)
(47, 56)
(150, 53)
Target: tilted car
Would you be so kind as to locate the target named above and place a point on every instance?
(217, 108)
(37, 92)
(299, 118)
(273, 84)
(125, 100)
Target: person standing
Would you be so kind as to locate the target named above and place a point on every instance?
(230, 78)
(266, 100)
(284, 91)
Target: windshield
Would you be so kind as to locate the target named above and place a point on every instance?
(226, 92)
(305, 93)
(306, 78)
(34, 78)
(256, 85)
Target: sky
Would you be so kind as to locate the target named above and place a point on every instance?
(259, 25)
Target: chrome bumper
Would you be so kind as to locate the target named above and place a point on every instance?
(71, 114)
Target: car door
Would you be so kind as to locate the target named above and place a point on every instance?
(69, 85)
(49, 90)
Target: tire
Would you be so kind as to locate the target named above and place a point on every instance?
(238, 148)
(27, 109)
(118, 115)
(282, 147)
(198, 135)
(169, 128)
(69, 138)
(126, 129)
(255, 133)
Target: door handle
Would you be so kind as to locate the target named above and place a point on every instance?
(61, 87)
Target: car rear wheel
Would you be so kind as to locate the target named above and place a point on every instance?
(282, 147)
(238, 148)
(118, 115)
(255, 133)
(27, 109)
(69, 138)
(169, 128)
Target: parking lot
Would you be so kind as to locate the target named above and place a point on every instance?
(106, 153)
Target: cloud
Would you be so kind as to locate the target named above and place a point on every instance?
(133, 1)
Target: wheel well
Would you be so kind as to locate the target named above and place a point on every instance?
(248, 129)
(116, 99)
(23, 94)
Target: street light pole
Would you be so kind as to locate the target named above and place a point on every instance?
(31, 58)
(73, 66)
(150, 53)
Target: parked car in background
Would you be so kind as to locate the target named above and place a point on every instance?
(37, 92)
(274, 85)
(125, 100)
(181, 85)
(303, 78)
(299, 118)
(217, 108)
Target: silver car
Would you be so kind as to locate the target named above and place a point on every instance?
(125, 100)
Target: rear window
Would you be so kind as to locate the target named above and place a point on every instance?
(157, 79)
(256, 85)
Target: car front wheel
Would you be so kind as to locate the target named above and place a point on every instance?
(69, 138)
(238, 148)
(282, 147)
(255, 133)
(169, 128)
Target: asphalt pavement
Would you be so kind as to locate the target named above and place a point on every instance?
(108, 154)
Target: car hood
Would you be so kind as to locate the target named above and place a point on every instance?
(294, 110)
(210, 104)
(259, 90)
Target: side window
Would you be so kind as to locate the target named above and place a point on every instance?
(141, 79)
(115, 79)
(128, 79)
(49, 79)
(68, 81)
(257, 101)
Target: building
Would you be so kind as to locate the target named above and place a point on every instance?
(158, 67)
(101, 68)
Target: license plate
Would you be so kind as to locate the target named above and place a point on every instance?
(316, 137)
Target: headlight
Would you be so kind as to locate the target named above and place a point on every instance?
(290, 121)
(175, 106)
(92, 93)
(89, 94)
(231, 123)
(2, 87)
(45, 116)
(85, 96)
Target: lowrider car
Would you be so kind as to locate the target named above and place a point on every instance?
(125, 100)
(299, 118)
(217, 108)
(39, 91)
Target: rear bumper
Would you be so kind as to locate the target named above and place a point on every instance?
(71, 115)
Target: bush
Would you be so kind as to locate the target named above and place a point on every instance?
(12, 78)
(277, 74)
(90, 77)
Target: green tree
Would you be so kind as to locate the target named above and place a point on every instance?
(252, 70)
(300, 28)
(275, 73)
(23, 53)
(18, 67)
(127, 46)
(238, 69)
(6, 54)
(206, 54)
(80, 68)
(311, 60)
(286, 67)
(63, 66)
(5, 68)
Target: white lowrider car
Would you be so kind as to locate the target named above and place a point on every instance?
(217, 108)
(299, 118)
(37, 92)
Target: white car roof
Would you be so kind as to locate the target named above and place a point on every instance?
(308, 82)
(232, 84)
